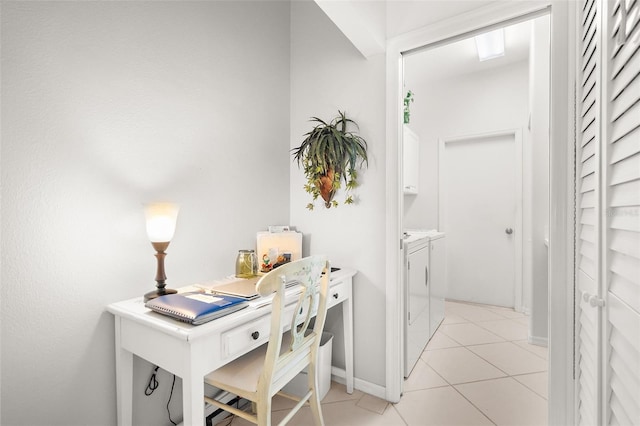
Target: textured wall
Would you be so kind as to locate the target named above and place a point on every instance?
(106, 105)
(327, 74)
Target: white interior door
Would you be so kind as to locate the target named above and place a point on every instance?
(480, 199)
(621, 196)
(607, 355)
(588, 146)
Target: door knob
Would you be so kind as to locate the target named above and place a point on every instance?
(509, 231)
(596, 301)
(593, 300)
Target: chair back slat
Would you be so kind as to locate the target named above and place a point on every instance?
(312, 301)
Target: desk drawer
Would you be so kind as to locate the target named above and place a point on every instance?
(337, 294)
(246, 337)
(252, 334)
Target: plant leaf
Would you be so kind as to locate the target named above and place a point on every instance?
(331, 149)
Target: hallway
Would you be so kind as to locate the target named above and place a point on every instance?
(478, 369)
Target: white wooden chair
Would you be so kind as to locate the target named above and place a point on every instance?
(263, 372)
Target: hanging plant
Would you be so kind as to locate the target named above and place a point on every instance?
(329, 155)
(407, 102)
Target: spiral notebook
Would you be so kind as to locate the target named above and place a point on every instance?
(196, 308)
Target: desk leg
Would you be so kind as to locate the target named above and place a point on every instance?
(347, 317)
(193, 397)
(124, 380)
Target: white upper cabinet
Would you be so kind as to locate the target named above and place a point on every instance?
(410, 161)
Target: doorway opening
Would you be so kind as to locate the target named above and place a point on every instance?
(560, 229)
(476, 182)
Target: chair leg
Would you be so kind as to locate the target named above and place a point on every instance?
(316, 410)
(263, 411)
(314, 401)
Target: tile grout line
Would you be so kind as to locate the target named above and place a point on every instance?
(474, 323)
(513, 377)
(406, 423)
(529, 387)
(456, 389)
(528, 350)
(449, 385)
(485, 328)
(474, 405)
(490, 363)
(495, 366)
(460, 393)
(438, 374)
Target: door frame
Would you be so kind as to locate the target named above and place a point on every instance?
(561, 169)
(519, 226)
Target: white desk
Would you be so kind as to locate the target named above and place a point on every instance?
(191, 352)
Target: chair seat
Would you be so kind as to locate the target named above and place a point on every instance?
(244, 372)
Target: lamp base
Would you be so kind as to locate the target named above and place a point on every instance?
(158, 292)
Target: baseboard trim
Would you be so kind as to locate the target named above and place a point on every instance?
(338, 375)
(539, 341)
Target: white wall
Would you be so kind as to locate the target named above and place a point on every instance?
(106, 105)
(463, 105)
(327, 74)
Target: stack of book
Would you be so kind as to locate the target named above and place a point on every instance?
(196, 308)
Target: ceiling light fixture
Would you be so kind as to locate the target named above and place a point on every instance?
(490, 45)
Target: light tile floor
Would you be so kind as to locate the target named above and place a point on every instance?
(478, 369)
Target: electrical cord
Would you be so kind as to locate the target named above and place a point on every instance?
(153, 382)
(153, 385)
(170, 395)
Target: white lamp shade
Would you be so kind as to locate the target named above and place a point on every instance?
(161, 221)
(490, 45)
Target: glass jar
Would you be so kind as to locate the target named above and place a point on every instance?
(246, 264)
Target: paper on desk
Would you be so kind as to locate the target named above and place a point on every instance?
(238, 287)
(209, 285)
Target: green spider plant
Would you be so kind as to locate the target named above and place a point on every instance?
(330, 154)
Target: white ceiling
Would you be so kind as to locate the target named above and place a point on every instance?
(462, 58)
(407, 15)
(368, 23)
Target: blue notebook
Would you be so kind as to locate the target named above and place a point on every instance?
(196, 308)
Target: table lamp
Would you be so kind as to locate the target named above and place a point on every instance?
(161, 225)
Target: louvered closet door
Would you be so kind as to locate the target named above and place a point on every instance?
(588, 341)
(621, 256)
